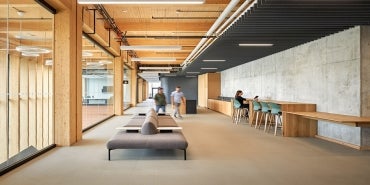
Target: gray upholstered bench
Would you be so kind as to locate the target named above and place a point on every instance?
(144, 132)
(129, 140)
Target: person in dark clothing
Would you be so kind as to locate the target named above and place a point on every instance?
(241, 100)
(238, 96)
(160, 100)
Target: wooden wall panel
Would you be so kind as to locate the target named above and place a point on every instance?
(14, 105)
(214, 85)
(51, 103)
(23, 102)
(39, 105)
(3, 112)
(45, 105)
(32, 107)
(202, 101)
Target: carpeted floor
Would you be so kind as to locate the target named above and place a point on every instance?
(219, 153)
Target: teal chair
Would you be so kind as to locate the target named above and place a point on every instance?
(256, 111)
(238, 113)
(265, 110)
(276, 114)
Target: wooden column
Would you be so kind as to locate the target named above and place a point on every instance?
(68, 73)
(134, 88)
(118, 86)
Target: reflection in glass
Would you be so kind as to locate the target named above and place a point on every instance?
(97, 84)
(26, 78)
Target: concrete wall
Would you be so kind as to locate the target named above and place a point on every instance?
(189, 86)
(326, 72)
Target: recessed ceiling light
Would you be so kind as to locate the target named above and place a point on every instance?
(255, 45)
(208, 68)
(215, 60)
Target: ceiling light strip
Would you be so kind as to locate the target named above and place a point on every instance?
(140, 1)
(157, 68)
(151, 48)
(215, 60)
(255, 45)
(154, 59)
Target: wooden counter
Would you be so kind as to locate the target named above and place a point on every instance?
(290, 129)
(221, 106)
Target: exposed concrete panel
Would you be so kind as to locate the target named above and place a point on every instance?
(332, 72)
(365, 71)
(340, 132)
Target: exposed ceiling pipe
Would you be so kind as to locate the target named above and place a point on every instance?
(200, 47)
(213, 28)
(226, 24)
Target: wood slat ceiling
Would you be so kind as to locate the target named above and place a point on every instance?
(181, 25)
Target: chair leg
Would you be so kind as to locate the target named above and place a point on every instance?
(267, 117)
(271, 120)
(109, 154)
(276, 123)
(260, 122)
(255, 125)
(252, 118)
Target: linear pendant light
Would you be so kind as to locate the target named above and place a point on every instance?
(156, 68)
(255, 45)
(154, 59)
(140, 1)
(151, 48)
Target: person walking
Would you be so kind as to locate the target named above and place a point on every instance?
(177, 97)
(160, 100)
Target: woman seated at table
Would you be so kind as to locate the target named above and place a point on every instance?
(241, 100)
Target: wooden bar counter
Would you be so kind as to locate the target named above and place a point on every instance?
(222, 106)
(294, 129)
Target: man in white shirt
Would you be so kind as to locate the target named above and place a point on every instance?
(177, 97)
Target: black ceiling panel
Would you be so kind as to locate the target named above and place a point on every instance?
(284, 23)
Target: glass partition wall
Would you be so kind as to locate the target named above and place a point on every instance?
(26, 78)
(97, 84)
(126, 88)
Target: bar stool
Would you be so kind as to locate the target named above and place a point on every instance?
(256, 111)
(276, 114)
(265, 109)
(237, 111)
